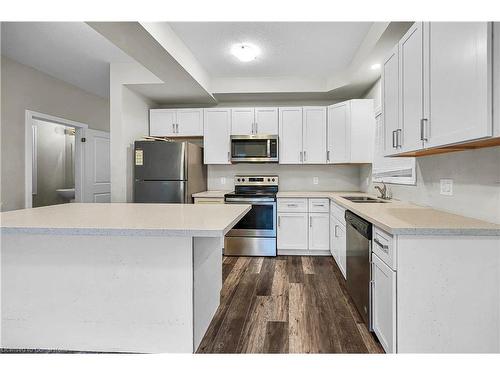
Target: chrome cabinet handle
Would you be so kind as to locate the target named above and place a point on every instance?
(385, 248)
(173, 128)
(394, 139)
(310, 222)
(398, 138)
(335, 230)
(279, 221)
(318, 205)
(328, 155)
(177, 128)
(256, 128)
(422, 130)
(228, 156)
(305, 155)
(300, 153)
(291, 205)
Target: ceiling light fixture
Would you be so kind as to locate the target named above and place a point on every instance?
(245, 51)
(375, 67)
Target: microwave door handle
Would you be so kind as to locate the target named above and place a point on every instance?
(268, 148)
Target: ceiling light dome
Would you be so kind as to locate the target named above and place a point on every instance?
(245, 51)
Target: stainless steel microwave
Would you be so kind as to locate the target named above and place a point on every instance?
(254, 148)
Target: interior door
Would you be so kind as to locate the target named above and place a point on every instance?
(96, 176)
(290, 135)
(314, 135)
(242, 121)
(390, 100)
(411, 81)
(339, 135)
(190, 122)
(459, 77)
(266, 120)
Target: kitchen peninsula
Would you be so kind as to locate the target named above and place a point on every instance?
(112, 277)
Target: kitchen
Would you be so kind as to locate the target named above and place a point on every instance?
(329, 220)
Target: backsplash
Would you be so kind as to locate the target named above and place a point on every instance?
(292, 177)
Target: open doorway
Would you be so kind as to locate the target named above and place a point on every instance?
(53, 170)
(54, 160)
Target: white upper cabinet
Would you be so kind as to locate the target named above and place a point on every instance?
(266, 120)
(252, 121)
(216, 136)
(314, 135)
(351, 132)
(162, 122)
(290, 135)
(338, 133)
(411, 81)
(186, 122)
(459, 79)
(390, 100)
(242, 121)
(437, 87)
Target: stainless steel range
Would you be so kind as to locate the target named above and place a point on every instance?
(255, 233)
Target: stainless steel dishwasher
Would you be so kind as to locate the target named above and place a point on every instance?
(359, 236)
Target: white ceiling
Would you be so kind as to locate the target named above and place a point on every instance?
(295, 49)
(70, 51)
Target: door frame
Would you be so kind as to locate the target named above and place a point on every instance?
(80, 128)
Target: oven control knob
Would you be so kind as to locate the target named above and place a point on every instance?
(238, 180)
(273, 179)
(243, 179)
(268, 179)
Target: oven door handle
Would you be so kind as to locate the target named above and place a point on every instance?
(253, 200)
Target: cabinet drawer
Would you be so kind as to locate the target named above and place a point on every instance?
(292, 205)
(337, 211)
(319, 205)
(209, 200)
(383, 246)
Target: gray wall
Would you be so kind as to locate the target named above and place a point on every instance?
(476, 176)
(24, 88)
(292, 177)
(54, 163)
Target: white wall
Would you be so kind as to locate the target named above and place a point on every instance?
(476, 176)
(129, 121)
(375, 93)
(292, 177)
(25, 88)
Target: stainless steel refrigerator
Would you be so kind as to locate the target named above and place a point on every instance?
(168, 172)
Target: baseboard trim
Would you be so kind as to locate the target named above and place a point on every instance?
(304, 252)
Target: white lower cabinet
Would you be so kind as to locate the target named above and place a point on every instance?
(384, 303)
(303, 226)
(319, 231)
(292, 230)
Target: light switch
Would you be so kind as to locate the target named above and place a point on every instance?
(223, 180)
(446, 186)
(315, 180)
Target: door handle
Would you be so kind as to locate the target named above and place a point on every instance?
(177, 128)
(305, 155)
(394, 139)
(310, 222)
(335, 230)
(256, 128)
(279, 221)
(328, 155)
(300, 153)
(385, 248)
(173, 128)
(228, 156)
(398, 138)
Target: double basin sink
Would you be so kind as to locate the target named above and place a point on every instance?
(362, 199)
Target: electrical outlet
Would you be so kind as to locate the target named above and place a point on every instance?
(446, 187)
(315, 180)
(223, 180)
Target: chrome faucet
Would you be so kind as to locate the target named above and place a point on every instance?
(382, 190)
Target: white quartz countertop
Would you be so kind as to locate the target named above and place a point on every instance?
(397, 217)
(188, 220)
(211, 194)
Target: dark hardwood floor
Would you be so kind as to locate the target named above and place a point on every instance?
(287, 304)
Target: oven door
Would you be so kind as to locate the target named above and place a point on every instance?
(260, 221)
(254, 149)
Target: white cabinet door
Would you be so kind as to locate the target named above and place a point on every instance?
(189, 122)
(290, 135)
(390, 100)
(319, 231)
(314, 135)
(411, 82)
(339, 133)
(216, 136)
(266, 120)
(459, 78)
(162, 122)
(242, 121)
(292, 230)
(384, 303)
